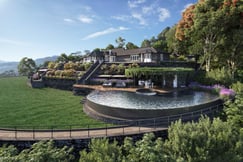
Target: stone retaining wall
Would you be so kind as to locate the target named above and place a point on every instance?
(59, 83)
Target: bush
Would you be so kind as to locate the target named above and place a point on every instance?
(87, 66)
(70, 65)
(215, 76)
(50, 73)
(239, 75)
(58, 72)
(237, 87)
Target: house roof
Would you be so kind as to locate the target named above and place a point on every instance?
(123, 52)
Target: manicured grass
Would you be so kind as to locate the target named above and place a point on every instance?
(25, 107)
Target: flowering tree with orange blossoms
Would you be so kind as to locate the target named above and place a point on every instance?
(207, 23)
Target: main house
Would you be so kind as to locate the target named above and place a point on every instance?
(139, 55)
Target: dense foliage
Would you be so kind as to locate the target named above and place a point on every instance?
(158, 71)
(213, 29)
(26, 66)
(39, 152)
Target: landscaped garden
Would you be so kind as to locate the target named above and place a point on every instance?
(25, 107)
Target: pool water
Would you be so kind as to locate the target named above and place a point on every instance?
(131, 100)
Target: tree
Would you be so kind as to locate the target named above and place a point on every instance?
(109, 47)
(146, 43)
(160, 45)
(206, 23)
(162, 35)
(63, 58)
(174, 45)
(230, 51)
(121, 42)
(130, 45)
(26, 66)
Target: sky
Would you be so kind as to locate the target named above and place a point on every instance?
(42, 28)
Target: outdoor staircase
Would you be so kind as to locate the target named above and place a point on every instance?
(89, 73)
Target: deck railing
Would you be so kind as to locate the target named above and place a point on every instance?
(90, 131)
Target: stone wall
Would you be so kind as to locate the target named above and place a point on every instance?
(59, 83)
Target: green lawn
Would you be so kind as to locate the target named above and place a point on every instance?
(25, 107)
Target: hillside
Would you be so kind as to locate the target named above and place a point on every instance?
(7, 66)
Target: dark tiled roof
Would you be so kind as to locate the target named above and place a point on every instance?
(123, 52)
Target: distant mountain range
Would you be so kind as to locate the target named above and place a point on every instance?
(40, 61)
(6, 66)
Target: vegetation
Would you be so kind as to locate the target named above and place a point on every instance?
(26, 107)
(158, 71)
(210, 29)
(69, 70)
(26, 66)
(42, 152)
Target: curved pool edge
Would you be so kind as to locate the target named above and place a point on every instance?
(103, 112)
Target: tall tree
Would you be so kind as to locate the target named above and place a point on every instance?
(205, 24)
(162, 35)
(62, 58)
(230, 51)
(146, 43)
(174, 45)
(109, 47)
(120, 42)
(26, 66)
(130, 45)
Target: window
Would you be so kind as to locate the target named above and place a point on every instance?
(112, 58)
(134, 57)
(147, 57)
(161, 57)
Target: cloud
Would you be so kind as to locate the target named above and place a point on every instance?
(125, 18)
(135, 3)
(163, 14)
(14, 42)
(68, 20)
(140, 18)
(105, 32)
(186, 6)
(85, 19)
(147, 10)
(86, 8)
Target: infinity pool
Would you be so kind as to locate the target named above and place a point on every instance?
(130, 100)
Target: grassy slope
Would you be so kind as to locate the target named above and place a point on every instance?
(21, 105)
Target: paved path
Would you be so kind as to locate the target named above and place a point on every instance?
(74, 134)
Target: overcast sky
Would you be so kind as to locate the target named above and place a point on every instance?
(40, 28)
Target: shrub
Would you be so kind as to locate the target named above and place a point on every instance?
(181, 58)
(50, 73)
(58, 73)
(237, 87)
(70, 65)
(69, 73)
(121, 69)
(215, 76)
(51, 65)
(87, 66)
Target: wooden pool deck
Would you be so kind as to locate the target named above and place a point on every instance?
(129, 89)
